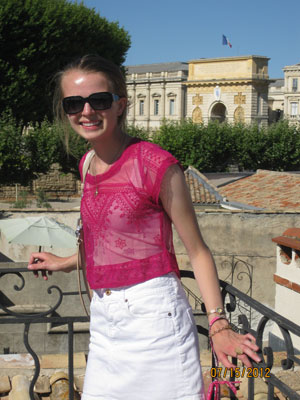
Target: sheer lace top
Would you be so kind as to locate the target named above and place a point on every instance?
(127, 234)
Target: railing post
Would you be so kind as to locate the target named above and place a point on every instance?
(35, 358)
(71, 360)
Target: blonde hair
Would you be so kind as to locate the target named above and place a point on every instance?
(89, 63)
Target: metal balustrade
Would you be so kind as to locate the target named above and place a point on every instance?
(235, 303)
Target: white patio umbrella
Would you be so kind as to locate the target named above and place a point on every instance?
(39, 231)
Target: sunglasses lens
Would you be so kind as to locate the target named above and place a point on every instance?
(101, 101)
(98, 101)
(73, 105)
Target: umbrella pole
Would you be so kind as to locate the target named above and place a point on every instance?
(40, 249)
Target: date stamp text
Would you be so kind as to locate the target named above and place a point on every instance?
(253, 372)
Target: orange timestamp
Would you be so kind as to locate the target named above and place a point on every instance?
(253, 372)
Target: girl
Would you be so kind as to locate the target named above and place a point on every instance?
(143, 337)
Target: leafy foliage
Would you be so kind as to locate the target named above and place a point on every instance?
(37, 39)
(42, 200)
(68, 156)
(210, 148)
(206, 147)
(14, 160)
(26, 152)
(138, 132)
(22, 201)
(214, 147)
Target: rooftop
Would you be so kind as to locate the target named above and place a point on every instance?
(160, 67)
(265, 189)
(202, 191)
(279, 82)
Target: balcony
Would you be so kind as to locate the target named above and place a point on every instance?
(240, 308)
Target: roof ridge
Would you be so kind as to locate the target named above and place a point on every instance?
(260, 171)
(202, 176)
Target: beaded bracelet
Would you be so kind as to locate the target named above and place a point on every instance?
(219, 330)
(217, 319)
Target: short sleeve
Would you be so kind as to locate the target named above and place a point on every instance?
(155, 163)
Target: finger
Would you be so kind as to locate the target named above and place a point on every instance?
(251, 345)
(33, 256)
(250, 337)
(245, 360)
(36, 266)
(224, 360)
(44, 275)
(250, 354)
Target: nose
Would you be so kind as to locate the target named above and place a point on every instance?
(87, 109)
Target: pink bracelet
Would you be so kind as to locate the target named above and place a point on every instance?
(216, 319)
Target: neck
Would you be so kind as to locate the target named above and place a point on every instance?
(108, 151)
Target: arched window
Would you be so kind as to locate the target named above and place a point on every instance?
(218, 112)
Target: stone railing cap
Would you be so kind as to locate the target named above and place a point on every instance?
(290, 238)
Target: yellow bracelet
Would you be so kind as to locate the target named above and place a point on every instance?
(219, 330)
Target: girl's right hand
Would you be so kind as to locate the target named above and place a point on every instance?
(46, 263)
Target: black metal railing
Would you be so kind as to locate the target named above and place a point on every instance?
(231, 297)
(9, 316)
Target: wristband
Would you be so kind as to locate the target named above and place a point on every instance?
(217, 319)
(218, 310)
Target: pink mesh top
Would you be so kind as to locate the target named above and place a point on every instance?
(127, 233)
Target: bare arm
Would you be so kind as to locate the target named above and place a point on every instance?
(177, 203)
(46, 263)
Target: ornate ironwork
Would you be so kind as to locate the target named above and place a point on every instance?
(9, 316)
(231, 297)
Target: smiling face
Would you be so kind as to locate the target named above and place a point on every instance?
(92, 124)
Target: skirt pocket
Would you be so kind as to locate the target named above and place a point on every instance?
(150, 305)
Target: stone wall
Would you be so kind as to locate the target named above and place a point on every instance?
(54, 184)
(245, 236)
(242, 240)
(34, 298)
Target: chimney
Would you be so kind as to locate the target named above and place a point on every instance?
(287, 280)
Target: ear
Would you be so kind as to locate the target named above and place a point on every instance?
(122, 104)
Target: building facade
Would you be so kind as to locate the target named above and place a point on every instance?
(233, 89)
(292, 92)
(156, 92)
(276, 100)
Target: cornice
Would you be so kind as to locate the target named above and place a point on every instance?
(214, 82)
(222, 59)
(155, 80)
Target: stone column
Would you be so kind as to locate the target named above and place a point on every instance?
(148, 105)
(163, 99)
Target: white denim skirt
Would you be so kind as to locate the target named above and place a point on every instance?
(143, 344)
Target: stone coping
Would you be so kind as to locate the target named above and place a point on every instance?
(9, 363)
(14, 382)
(198, 208)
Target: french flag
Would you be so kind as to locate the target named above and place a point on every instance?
(225, 41)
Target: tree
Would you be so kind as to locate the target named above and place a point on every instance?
(38, 38)
(14, 160)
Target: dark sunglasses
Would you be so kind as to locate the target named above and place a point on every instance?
(98, 101)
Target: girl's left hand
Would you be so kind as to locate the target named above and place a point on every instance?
(229, 343)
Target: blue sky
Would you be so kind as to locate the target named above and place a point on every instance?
(178, 30)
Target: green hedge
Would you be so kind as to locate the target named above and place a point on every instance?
(214, 147)
(25, 153)
(209, 148)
